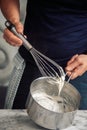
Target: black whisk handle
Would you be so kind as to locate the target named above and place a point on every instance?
(12, 28)
(9, 25)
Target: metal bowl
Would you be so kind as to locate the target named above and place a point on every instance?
(48, 109)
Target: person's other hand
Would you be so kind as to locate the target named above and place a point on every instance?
(11, 38)
(76, 66)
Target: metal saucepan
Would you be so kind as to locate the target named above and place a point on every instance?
(48, 109)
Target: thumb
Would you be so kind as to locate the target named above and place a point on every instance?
(19, 27)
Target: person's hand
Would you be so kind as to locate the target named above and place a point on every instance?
(11, 38)
(76, 66)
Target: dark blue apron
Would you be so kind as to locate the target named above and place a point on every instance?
(58, 29)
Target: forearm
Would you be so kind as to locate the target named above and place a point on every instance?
(11, 10)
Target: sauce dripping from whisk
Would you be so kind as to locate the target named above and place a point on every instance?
(59, 82)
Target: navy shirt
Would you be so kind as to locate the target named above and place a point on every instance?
(57, 28)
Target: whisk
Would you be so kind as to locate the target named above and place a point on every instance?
(47, 66)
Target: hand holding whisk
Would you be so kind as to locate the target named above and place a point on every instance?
(46, 66)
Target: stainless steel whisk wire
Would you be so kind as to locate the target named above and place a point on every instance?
(44, 63)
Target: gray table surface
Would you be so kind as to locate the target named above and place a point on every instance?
(19, 120)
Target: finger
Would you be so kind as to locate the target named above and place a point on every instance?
(73, 65)
(13, 43)
(72, 59)
(80, 70)
(19, 27)
(11, 38)
(68, 73)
